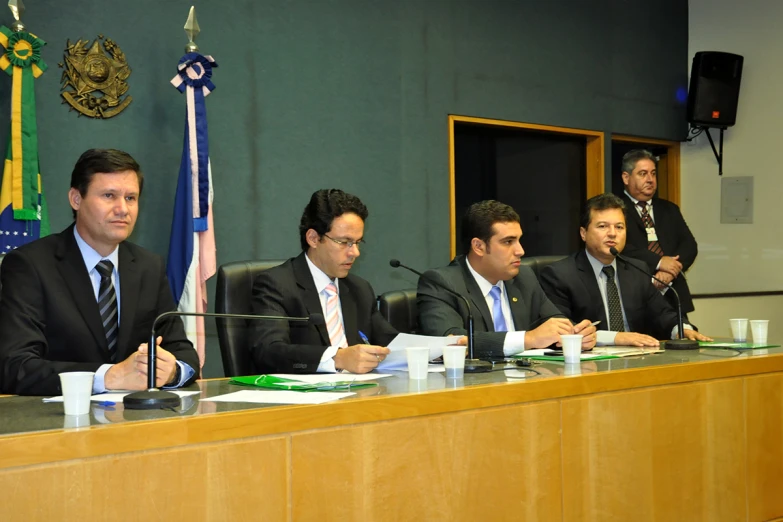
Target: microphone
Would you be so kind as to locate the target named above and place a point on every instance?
(152, 398)
(675, 344)
(472, 365)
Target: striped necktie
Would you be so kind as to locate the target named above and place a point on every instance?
(107, 304)
(333, 323)
(652, 246)
(616, 323)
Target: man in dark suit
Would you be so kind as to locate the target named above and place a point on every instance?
(592, 284)
(657, 232)
(317, 281)
(85, 299)
(511, 312)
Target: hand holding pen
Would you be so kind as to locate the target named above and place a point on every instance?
(360, 358)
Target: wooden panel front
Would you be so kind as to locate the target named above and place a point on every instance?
(664, 453)
(229, 481)
(764, 405)
(498, 464)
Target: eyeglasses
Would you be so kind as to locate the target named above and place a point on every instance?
(347, 244)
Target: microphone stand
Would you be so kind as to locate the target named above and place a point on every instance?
(673, 344)
(472, 365)
(154, 399)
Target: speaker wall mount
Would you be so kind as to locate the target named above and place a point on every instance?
(713, 96)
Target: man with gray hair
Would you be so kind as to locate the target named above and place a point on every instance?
(657, 232)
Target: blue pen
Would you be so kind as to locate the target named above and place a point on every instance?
(364, 337)
(106, 403)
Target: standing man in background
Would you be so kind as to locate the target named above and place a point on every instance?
(657, 233)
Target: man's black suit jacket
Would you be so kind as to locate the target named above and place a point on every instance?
(674, 236)
(289, 289)
(49, 318)
(571, 285)
(441, 313)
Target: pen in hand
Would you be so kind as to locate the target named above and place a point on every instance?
(365, 340)
(595, 323)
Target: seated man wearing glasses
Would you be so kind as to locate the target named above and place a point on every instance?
(354, 334)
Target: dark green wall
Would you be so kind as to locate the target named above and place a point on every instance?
(352, 94)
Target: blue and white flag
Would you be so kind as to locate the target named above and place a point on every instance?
(192, 259)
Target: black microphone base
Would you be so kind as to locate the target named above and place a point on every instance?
(477, 366)
(681, 344)
(151, 400)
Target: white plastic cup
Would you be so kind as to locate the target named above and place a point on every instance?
(572, 348)
(739, 330)
(418, 362)
(572, 369)
(77, 390)
(759, 329)
(454, 361)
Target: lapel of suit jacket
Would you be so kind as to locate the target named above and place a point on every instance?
(130, 285)
(587, 276)
(475, 295)
(348, 306)
(304, 279)
(628, 291)
(519, 311)
(77, 278)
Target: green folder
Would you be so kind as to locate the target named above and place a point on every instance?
(278, 383)
(735, 346)
(561, 358)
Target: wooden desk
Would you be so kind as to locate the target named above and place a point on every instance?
(677, 436)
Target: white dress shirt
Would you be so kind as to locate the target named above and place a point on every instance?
(515, 340)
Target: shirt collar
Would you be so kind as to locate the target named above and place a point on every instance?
(484, 285)
(598, 266)
(320, 279)
(92, 258)
(636, 201)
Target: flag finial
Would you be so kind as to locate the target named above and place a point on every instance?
(191, 29)
(17, 9)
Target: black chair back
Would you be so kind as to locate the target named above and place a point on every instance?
(399, 308)
(538, 263)
(234, 296)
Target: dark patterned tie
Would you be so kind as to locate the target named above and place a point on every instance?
(652, 246)
(613, 300)
(107, 304)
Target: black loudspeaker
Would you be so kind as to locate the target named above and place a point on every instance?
(714, 89)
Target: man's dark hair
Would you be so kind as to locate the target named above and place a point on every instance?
(324, 206)
(632, 157)
(480, 217)
(600, 202)
(106, 161)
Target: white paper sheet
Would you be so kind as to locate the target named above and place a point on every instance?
(314, 378)
(398, 359)
(279, 397)
(117, 396)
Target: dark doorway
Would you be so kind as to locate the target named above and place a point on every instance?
(541, 174)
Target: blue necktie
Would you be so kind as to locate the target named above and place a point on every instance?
(497, 311)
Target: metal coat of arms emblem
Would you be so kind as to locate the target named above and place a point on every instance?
(95, 77)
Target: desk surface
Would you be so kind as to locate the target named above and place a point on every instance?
(19, 415)
(615, 442)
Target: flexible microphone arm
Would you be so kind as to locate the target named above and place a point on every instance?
(395, 263)
(153, 398)
(682, 343)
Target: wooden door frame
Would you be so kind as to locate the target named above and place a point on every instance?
(672, 162)
(594, 159)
